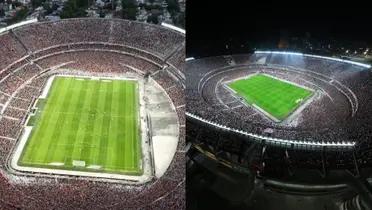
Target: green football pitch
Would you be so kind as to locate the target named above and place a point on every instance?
(86, 125)
(275, 97)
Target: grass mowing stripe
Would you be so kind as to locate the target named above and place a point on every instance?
(89, 127)
(120, 136)
(80, 147)
(75, 123)
(134, 146)
(119, 149)
(27, 155)
(98, 123)
(87, 132)
(132, 126)
(105, 126)
(128, 142)
(113, 129)
(137, 128)
(52, 121)
(55, 151)
(134, 129)
(59, 129)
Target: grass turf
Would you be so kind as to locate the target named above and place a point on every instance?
(95, 121)
(274, 96)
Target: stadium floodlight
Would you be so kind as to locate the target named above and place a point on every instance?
(174, 27)
(314, 56)
(274, 140)
(279, 52)
(18, 25)
(190, 59)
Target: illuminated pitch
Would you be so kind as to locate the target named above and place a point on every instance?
(274, 97)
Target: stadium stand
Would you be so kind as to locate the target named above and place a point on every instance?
(277, 150)
(30, 54)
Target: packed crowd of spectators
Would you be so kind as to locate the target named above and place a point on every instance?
(272, 161)
(337, 105)
(22, 103)
(29, 56)
(151, 38)
(3, 98)
(11, 84)
(10, 50)
(27, 72)
(98, 61)
(77, 193)
(15, 113)
(178, 59)
(164, 79)
(10, 128)
(182, 138)
(339, 113)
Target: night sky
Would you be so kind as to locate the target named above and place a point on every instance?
(212, 24)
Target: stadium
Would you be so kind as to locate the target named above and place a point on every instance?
(92, 115)
(283, 127)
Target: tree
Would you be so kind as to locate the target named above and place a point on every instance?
(179, 20)
(153, 19)
(37, 3)
(130, 9)
(74, 8)
(20, 15)
(49, 9)
(101, 13)
(173, 6)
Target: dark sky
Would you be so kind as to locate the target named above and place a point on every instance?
(210, 24)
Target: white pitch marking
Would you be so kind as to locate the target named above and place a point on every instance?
(56, 164)
(47, 87)
(94, 167)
